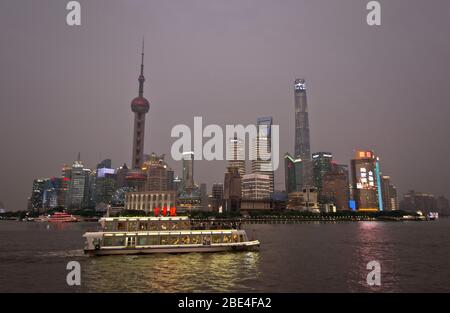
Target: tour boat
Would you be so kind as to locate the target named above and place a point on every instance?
(62, 217)
(146, 235)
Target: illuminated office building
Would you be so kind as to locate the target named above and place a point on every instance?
(78, 193)
(256, 187)
(389, 194)
(366, 181)
(298, 173)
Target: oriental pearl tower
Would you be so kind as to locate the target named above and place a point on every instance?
(140, 106)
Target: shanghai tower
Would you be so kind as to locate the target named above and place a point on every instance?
(140, 106)
(302, 146)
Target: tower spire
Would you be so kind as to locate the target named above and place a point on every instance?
(141, 76)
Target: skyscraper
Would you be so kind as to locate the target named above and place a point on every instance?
(298, 173)
(217, 196)
(366, 181)
(37, 193)
(335, 189)
(256, 187)
(79, 185)
(262, 164)
(302, 146)
(322, 164)
(156, 169)
(140, 106)
(389, 194)
(236, 154)
(292, 170)
(188, 170)
(232, 190)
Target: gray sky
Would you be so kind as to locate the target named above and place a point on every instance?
(68, 89)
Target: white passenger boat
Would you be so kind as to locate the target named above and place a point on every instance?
(145, 235)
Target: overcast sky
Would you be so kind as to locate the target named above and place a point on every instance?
(65, 90)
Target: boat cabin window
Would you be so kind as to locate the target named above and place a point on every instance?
(152, 226)
(164, 240)
(143, 225)
(174, 240)
(110, 226)
(235, 238)
(241, 238)
(152, 240)
(163, 226)
(173, 225)
(133, 226)
(226, 238)
(142, 240)
(119, 241)
(122, 226)
(216, 238)
(186, 240)
(108, 241)
(195, 239)
(206, 239)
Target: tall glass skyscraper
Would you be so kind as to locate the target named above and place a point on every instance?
(302, 146)
(263, 162)
(236, 154)
(322, 164)
(188, 170)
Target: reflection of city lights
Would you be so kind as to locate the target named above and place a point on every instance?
(173, 273)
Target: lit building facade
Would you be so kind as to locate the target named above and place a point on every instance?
(262, 164)
(217, 197)
(298, 173)
(188, 170)
(304, 200)
(232, 190)
(78, 194)
(157, 172)
(322, 164)
(292, 173)
(256, 187)
(389, 194)
(236, 154)
(366, 183)
(37, 193)
(149, 201)
(335, 189)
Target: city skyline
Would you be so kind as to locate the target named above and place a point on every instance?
(55, 127)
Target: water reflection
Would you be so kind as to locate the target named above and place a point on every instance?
(374, 243)
(195, 272)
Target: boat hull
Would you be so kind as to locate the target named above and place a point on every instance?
(248, 246)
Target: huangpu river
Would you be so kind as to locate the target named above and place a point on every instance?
(305, 257)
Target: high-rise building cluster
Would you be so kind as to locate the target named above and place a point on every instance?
(313, 181)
